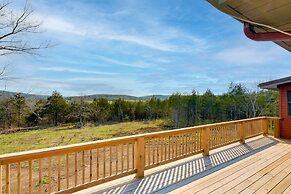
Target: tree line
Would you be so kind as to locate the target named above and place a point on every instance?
(179, 109)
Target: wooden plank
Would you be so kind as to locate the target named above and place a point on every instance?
(96, 182)
(288, 190)
(116, 159)
(259, 176)
(97, 163)
(18, 178)
(277, 178)
(104, 162)
(76, 168)
(110, 160)
(49, 174)
(162, 149)
(282, 186)
(159, 145)
(30, 176)
(91, 166)
(59, 173)
(122, 158)
(247, 182)
(154, 148)
(83, 167)
(205, 141)
(133, 155)
(242, 132)
(7, 179)
(237, 177)
(149, 151)
(140, 157)
(39, 176)
(221, 174)
(67, 171)
(127, 155)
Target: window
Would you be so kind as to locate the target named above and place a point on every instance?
(289, 102)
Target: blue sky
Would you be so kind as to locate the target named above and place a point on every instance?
(140, 47)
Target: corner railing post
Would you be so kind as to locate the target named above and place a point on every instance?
(277, 128)
(205, 140)
(265, 126)
(140, 157)
(242, 132)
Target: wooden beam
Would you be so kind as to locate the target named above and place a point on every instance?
(140, 157)
(205, 141)
(242, 132)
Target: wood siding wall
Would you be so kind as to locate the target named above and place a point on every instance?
(285, 128)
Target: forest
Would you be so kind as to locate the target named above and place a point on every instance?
(180, 110)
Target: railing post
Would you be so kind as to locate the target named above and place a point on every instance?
(205, 141)
(277, 128)
(265, 126)
(242, 132)
(140, 157)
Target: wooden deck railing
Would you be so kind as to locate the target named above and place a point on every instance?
(74, 167)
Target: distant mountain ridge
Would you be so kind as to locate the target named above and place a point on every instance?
(109, 97)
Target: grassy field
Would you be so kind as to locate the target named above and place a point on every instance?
(57, 136)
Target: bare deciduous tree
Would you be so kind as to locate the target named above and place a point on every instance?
(14, 28)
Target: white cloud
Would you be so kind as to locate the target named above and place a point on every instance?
(157, 37)
(74, 70)
(249, 55)
(59, 24)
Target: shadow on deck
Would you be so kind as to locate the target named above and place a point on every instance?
(169, 177)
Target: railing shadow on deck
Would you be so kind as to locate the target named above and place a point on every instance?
(179, 175)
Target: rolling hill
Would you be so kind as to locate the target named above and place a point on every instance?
(109, 97)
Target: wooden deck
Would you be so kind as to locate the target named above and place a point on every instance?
(262, 165)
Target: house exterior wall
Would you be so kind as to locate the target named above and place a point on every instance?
(285, 122)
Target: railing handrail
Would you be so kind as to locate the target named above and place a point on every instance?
(46, 152)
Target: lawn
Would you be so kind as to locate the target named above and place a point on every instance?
(57, 136)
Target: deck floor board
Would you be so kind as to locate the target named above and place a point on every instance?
(262, 165)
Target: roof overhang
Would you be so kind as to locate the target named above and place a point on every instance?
(275, 84)
(275, 13)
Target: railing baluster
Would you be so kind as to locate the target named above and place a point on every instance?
(122, 158)
(110, 157)
(18, 179)
(169, 148)
(7, 178)
(39, 175)
(97, 163)
(49, 174)
(59, 172)
(68, 171)
(127, 156)
(83, 167)
(76, 168)
(173, 146)
(30, 176)
(133, 155)
(176, 145)
(162, 148)
(149, 151)
(104, 162)
(91, 166)
(154, 148)
(116, 159)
